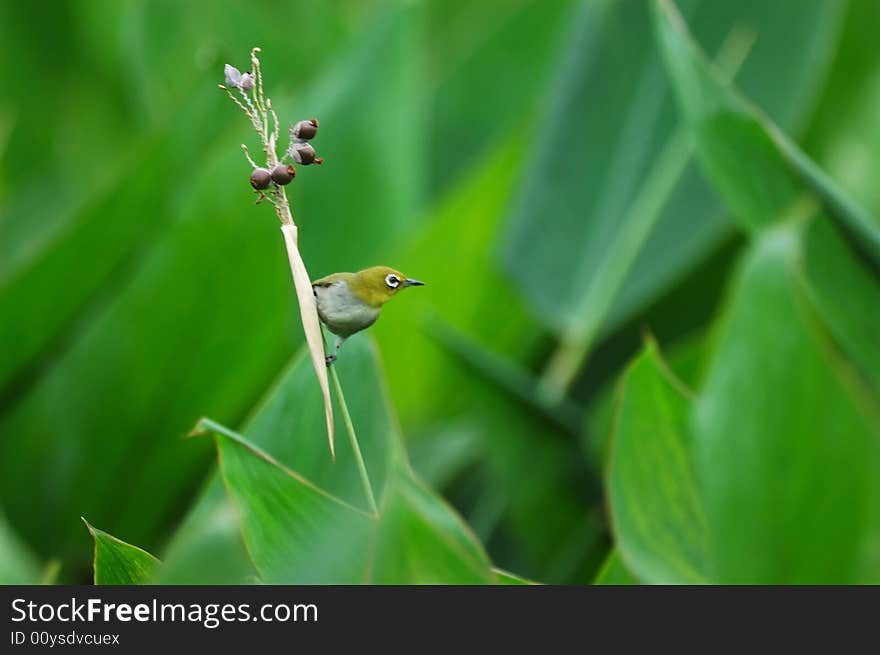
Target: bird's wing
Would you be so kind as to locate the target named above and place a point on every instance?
(330, 279)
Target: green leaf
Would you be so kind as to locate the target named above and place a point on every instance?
(656, 511)
(861, 230)
(119, 563)
(611, 211)
(846, 295)
(527, 453)
(284, 423)
(524, 459)
(207, 548)
(506, 374)
(686, 359)
(787, 454)
(510, 47)
(614, 572)
(464, 222)
(45, 243)
(298, 534)
(765, 178)
(351, 102)
(17, 564)
(503, 577)
(296, 530)
(421, 540)
(758, 170)
(844, 137)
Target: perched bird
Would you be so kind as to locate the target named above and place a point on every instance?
(351, 302)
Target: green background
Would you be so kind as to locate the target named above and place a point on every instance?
(649, 345)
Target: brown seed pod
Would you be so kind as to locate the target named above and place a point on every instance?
(260, 179)
(306, 130)
(282, 174)
(303, 154)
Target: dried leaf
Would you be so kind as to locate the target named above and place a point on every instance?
(312, 328)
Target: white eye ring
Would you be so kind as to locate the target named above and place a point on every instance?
(392, 280)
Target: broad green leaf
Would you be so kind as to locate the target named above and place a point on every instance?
(87, 241)
(503, 577)
(506, 374)
(207, 547)
(510, 47)
(844, 137)
(526, 452)
(614, 572)
(420, 540)
(550, 237)
(861, 230)
(656, 511)
(296, 533)
(429, 384)
(464, 223)
(686, 359)
(787, 455)
(764, 178)
(384, 169)
(442, 454)
(17, 564)
(758, 171)
(59, 149)
(846, 295)
(119, 563)
(284, 424)
(611, 212)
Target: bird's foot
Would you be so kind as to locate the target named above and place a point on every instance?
(329, 359)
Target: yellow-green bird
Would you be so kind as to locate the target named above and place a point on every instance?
(351, 302)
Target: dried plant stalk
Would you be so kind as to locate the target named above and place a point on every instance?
(309, 313)
(257, 107)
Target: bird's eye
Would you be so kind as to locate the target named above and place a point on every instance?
(392, 281)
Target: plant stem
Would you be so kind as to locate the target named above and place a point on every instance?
(256, 107)
(352, 437)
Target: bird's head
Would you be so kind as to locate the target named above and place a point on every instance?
(378, 284)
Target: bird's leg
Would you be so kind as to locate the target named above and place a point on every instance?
(332, 358)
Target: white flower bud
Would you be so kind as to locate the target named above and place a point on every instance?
(233, 76)
(247, 82)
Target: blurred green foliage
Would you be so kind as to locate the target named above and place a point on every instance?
(564, 174)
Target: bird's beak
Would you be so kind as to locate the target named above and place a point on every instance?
(413, 283)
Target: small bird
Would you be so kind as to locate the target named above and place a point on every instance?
(351, 302)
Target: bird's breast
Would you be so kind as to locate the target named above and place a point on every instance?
(342, 311)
